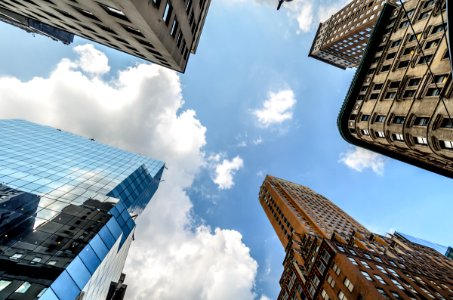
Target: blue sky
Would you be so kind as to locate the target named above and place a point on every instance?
(197, 231)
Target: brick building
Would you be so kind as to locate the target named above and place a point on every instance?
(329, 255)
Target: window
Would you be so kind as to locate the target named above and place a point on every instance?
(395, 43)
(382, 269)
(397, 137)
(414, 82)
(324, 295)
(408, 93)
(365, 264)
(385, 68)
(336, 269)
(438, 28)
(365, 117)
(398, 119)
(156, 3)
(331, 281)
(23, 288)
(404, 24)
(433, 92)
(446, 144)
(380, 134)
(403, 64)
(421, 121)
(352, 260)
(398, 284)
(390, 95)
(420, 140)
(396, 295)
(167, 13)
(365, 132)
(380, 119)
(342, 296)
(380, 279)
(409, 51)
(325, 255)
(367, 276)
(447, 123)
(383, 293)
(348, 284)
(432, 44)
(414, 37)
(440, 78)
(378, 86)
(423, 15)
(16, 256)
(425, 59)
(374, 96)
(114, 12)
(4, 284)
(174, 27)
(390, 55)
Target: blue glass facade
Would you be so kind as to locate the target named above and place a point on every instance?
(66, 208)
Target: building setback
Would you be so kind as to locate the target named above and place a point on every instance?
(161, 31)
(341, 40)
(67, 210)
(329, 255)
(399, 103)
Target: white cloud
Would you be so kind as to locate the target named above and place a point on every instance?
(264, 297)
(141, 110)
(277, 109)
(360, 159)
(225, 170)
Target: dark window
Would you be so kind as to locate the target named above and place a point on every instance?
(414, 82)
(438, 28)
(404, 24)
(432, 92)
(86, 13)
(395, 43)
(133, 30)
(156, 3)
(421, 121)
(390, 55)
(409, 93)
(403, 64)
(447, 123)
(432, 44)
(380, 119)
(440, 78)
(394, 84)
(398, 119)
(174, 27)
(390, 95)
(374, 96)
(385, 68)
(365, 117)
(424, 15)
(167, 13)
(377, 86)
(428, 4)
(409, 50)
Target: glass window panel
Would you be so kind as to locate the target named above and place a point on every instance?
(64, 287)
(4, 284)
(78, 272)
(89, 258)
(23, 288)
(99, 247)
(107, 237)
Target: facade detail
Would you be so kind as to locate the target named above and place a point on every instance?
(329, 255)
(67, 210)
(399, 103)
(342, 39)
(161, 31)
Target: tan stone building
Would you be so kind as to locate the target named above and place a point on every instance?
(341, 40)
(162, 31)
(329, 255)
(399, 103)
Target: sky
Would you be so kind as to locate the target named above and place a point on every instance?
(250, 103)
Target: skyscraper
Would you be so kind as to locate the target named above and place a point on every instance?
(67, 210)
(162, 31)
(341, 40)
(329, 255)
(399, 103)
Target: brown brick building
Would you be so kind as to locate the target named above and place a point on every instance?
(341, 40)
(329, 255)
(162, 31)
(399, 103)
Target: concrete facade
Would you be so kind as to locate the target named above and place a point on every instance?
(329, 255)
(399, 103)
(341, 40)
(161, 31)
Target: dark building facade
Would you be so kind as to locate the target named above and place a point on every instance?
(399, 103)
(329, 255)
(342, 39)
(67, 209)
(161, 31)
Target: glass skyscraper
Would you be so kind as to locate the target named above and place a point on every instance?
(67, 210)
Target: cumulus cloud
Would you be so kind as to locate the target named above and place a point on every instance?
(277, 109)
(225, 170)
(264, 297)
(142, 110)
(360, 159)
